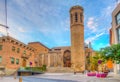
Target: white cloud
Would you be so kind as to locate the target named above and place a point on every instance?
(91, 23)
(47, 31)
(65, 24)
(3, 30)
(118, 1)
(106, 12)
(21, 29)
(93, 38)
(65, 42)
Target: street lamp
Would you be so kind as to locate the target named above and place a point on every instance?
(5, 26)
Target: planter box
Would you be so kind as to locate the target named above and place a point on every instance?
(101, 75)
(91, 74)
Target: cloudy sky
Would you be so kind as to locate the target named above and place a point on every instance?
(47, 21)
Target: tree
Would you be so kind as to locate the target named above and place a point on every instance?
(111, 52)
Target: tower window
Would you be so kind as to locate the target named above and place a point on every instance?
(76, 17)
(81, 17)
(71, 18)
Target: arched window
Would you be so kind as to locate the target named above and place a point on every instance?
(81, 16)
(76, 17)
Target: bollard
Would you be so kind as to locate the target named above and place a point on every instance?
(15, 76)
(74, 73)
(20, 79)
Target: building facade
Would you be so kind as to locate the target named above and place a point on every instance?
(115, 32)
(41, 53)
(61, 57)
(14, 53)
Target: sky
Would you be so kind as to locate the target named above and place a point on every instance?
(48, 22)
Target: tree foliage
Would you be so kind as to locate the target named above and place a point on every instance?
(111, 52)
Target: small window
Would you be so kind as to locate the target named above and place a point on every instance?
(1, 47)
(13, 48)
(12, 60)
(76, 17)
(0, 59)
(24, 52)
(81, 17)
(18, 50)
(17, 61)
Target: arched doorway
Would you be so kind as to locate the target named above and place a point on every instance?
(67, 58)
(24, 63)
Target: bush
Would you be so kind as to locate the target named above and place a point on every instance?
(44, 67)
(39, 69)
(27, 68)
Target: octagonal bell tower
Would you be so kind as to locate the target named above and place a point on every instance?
(77, 38)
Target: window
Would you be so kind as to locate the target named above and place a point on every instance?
(18, 50)
(13, 48)
(12, 60)
(118, 34)
(118, 18)
(1, 47)
(24, 52)
(81, 17)
(17, 61)
(0, 59)
(76, 17)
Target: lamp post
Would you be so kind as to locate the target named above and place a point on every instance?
(6, 27)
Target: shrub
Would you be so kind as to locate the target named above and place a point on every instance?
(44, 67)
(39, 69)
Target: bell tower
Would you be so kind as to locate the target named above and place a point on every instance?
(77, 38)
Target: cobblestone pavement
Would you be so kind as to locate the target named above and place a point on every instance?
(62, 77)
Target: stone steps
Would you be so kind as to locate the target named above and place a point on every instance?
(59, 70)
(9, 72)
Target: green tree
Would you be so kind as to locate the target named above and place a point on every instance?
(111, 52)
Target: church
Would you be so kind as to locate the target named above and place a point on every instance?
(73, 56)
(15, 54)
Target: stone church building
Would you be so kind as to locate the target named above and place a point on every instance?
(15, 54)
(73, 56)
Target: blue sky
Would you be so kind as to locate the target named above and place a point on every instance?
(47, 21)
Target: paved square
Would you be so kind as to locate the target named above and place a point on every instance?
(62, 77)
